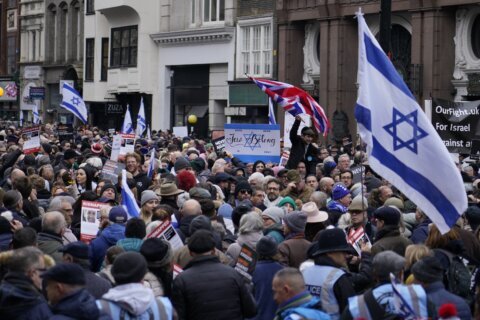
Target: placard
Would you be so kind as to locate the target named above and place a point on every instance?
(90, 220)
(180, 132)
(111, 169)
(122, 144)
(247, 259)
(219, 144)
(358, 237)
(31, 142)
(252, 142)
(289, 120)
(166, 231)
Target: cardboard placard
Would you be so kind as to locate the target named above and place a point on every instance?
(121, 145)
(166, 231)
(90, 220)
(111, 169)
(31, 143)
(180, 132)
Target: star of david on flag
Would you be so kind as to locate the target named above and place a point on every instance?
(402, 145)
(141, 122)
(127, 126)
(73, 102)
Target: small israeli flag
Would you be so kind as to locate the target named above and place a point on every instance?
(151, 167)
(21, 118)
(402, 145)
(73, 102)
(128, 199)
(141, 122)
(36, 114)
(127, 126)
(271, 112)
(149, 135)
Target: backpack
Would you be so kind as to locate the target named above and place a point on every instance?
(457, 277)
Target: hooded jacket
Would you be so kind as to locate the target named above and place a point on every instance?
(50, 244)
(98, 247)
(80, 305)
(19, 299)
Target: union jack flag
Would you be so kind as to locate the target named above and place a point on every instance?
(295, 101)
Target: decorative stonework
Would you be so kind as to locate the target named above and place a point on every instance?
(223, 34)
(311, 62)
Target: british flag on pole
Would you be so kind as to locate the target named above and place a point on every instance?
(295, 101)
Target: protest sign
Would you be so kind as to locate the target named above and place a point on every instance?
(180, 132)
(284, 158)
(219, 144)
(111, 170)
(65, 132)
(252, 142)
(289, 120)
(246, 261)
(121, 145)
(358, 171)
(90, 220)
(457, 123)
(166, 231)
(31, 139)
(358, 237)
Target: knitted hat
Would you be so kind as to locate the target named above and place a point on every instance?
(328, 167)
(287, 200)
(181, 164)
(296, 221)
(129, 267)
(68, 273)
(69, 154)
(274, 213)
(47, 147)
(199, 223)
(339, 191)
(242, 185)
(201, 241)
(225, 210)
(109, 186)
(118, 215)
(198, 164)
(428, 270)
(148, 195)
(267, 246)
(157, 252)
(390, 215)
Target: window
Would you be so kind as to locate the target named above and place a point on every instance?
(475, 37)
(124, 47)
(12, 3)
(213, 10)
(89, 59)
(104, 69)
(90, 9)
(12, 54)
(255, 50)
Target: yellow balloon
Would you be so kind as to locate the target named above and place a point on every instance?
(1, 91)
(192, 119)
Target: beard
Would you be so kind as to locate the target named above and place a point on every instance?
(272, 196)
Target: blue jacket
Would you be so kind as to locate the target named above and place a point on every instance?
(262, 281)
(99, 246)
(420, 233)
(79, 305)
(5, 239)
(275, 233)
(130, 244)
(438, 295)
(19, 299)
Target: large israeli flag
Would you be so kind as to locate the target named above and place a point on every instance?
(141, 122)
(128, 199)
(73, 102)
(127, 126)
(402, 144)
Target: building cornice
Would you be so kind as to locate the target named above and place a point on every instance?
(223, 34)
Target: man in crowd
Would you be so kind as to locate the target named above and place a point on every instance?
(272, 189)
(302, 147)
(133, 165)
(388, 235)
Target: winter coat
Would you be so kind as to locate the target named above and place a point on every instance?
(420, 232)
(389, 238)
(50, 244)
(142, 182)
(19, 299)
(130, 244)
(5, 239)
(297, 152)
(262, 279)
(79, 305)
(294, 250)
(30, 208)
(182, 257)
(151, 281)
(99, 246)
(96, 285)
(438, 295)
(276, 232)
(207, 289)
(250, 239)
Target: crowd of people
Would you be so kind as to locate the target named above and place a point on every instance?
(322, 238)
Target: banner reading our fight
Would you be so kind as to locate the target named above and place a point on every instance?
(31, 139)
(252, 142)
(457, 123)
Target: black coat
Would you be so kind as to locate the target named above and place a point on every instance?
(208, 289)
(297, 152)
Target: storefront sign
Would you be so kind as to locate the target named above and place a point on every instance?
(252, 142)
(32, 72)
(113, 108)
(37, 93)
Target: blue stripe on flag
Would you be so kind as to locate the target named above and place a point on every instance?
(376, 57)
(74, 110)
(363, 116)
(417, 181)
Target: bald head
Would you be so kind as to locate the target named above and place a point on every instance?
(286, 284)
(191, 208)
(326, 185)
(16, 173)
(54, 222)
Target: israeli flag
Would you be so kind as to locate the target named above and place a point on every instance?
(21, 118)
(128, 199)
(127, 126)
(151, 167)
(402, 145)
(36, 114)
(141, 122)
(149, 135)
(73, 102)
(271, 112)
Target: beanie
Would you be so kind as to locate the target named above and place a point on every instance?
(198, 164)
(296, 221)
(109, 186)
(199, 223)
(69, 154)
(157, 252)
(148, 195)
(242, 185)
(339, 191)
(181, 164)
(267, 246)
(129, 267)
(428, 270)
(289, 200)
(47, 147)
(274, 213)
(201, 241)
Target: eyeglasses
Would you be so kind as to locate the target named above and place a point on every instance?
(273, 189)
(244, 191)
(355, 212)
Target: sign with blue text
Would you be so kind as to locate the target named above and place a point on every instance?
(252, 142)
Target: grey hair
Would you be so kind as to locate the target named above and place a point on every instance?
(56, 203)
(24, 259)
(54, 222)
(320, 199)
(387, 262)
(250, 222)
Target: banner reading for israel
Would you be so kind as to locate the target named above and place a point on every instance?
(402, 144)
(252, 142)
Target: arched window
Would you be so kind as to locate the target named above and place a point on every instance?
(475, 37)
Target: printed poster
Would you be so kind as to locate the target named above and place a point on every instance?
(166, 231)
(111, 170)
(31, 142)
(356, 238)
(121, 145)
(289, 120)
(90, 220)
